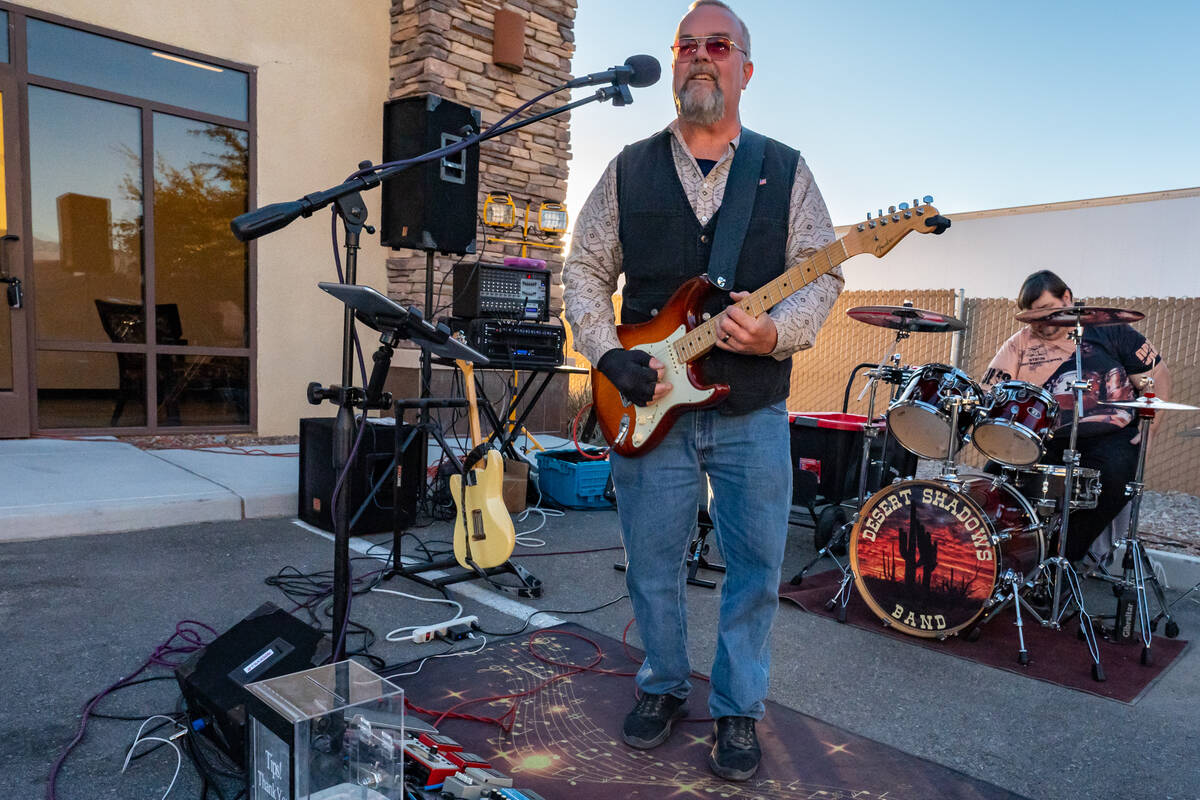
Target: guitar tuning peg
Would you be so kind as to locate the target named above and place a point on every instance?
(904, 206)
(891, 209)
(927, 198)
(916, 202)
(868, 216)
(881, 212)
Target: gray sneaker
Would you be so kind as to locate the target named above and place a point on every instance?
(736, 754)
(649, 723)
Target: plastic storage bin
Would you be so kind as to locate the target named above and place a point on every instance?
(571, 480)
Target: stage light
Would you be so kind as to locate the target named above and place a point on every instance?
(499, 211)
(552, 218)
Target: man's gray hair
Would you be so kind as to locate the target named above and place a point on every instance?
(732, 13)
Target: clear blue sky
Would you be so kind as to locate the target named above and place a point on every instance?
(982, 105)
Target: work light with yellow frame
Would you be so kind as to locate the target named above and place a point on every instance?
(500, 212)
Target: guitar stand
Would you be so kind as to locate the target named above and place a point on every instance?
(697, 553)
(446, 571)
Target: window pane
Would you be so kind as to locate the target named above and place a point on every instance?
(203, 390)
(87, 215)
(200, 183)
(89, 59)
(4, 37)
(91, 390)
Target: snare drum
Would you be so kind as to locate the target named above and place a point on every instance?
(929, 560)
(1044, 486)
(920, 417)
(1016, 420)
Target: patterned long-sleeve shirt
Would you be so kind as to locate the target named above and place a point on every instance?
(593, 267)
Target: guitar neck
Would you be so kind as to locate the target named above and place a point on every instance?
(468, 373)
(703, 338)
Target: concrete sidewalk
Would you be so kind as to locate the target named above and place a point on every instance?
(67, 487)
(64, 487)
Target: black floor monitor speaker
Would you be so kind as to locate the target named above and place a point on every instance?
(317, 477)
(431, 206)
(267, 643)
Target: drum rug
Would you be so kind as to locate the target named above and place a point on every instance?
(565, 722)
(1058, 657)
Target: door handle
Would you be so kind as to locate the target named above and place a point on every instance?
(16, 297)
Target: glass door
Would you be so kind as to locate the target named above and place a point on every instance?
(14, 319)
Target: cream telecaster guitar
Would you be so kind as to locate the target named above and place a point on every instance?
(679, 336)
(483, 529)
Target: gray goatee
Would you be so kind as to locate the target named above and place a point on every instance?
(698, 105)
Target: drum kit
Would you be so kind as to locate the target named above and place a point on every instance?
(943, 556)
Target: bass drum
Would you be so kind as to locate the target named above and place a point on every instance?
(930, 559)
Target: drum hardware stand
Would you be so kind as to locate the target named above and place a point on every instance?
(1136, 562)
(888, 374)
(697, 557)
(1061, 567)
(950, 463)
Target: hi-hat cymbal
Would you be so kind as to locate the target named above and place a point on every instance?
(906, 318)
(1087, 315)
(1154, 404)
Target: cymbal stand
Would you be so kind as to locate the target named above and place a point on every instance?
(889, 374)
(1135, 562)
(1058, 564)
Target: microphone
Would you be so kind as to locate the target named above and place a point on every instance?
(637, 71)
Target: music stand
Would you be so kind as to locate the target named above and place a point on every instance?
(395, 322)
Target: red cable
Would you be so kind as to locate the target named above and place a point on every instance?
(575, 437)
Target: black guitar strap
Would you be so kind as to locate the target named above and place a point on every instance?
(736, 207)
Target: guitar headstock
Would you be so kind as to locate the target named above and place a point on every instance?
(879, 234)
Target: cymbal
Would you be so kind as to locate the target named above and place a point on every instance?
(1087, 315)
(1154, 404)
(906, 318)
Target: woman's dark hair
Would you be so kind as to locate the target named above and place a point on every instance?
(1039, 283)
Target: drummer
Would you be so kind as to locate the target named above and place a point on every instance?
(1117, 360)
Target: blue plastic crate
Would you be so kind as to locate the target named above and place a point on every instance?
(571, 480)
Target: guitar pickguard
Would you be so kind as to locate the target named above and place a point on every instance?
(638, 423)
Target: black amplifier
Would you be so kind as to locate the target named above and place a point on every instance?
(508, 343)
(501, 291)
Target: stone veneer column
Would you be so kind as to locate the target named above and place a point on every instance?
(444, 47)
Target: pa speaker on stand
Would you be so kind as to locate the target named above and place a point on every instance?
(432, 206)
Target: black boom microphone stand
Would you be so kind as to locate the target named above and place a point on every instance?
(346, 198)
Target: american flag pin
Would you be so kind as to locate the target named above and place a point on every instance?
(762, 181)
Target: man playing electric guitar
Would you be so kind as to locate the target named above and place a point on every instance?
(663, 207)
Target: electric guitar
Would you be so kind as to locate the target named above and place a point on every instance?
(483, 529)
(679, 335)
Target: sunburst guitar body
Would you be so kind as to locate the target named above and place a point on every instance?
(679, 336)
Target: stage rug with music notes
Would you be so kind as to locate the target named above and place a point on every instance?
(1057, 657)
(564, 740)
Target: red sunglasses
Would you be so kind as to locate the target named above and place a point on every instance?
(717, 47)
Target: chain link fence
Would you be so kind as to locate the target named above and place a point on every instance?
(820, 374)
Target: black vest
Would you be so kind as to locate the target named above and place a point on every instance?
(663, 244)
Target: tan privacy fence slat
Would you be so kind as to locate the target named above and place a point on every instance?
(1173, 324)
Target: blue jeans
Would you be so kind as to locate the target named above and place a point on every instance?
(747, 461)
